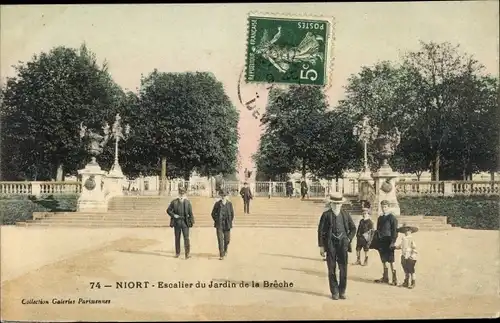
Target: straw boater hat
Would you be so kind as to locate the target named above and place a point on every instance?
(336, 198)
(405, 227)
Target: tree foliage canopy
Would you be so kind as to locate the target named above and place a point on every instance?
(185, 117)
(43, 106)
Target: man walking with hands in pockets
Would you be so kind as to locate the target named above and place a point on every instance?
(336, 229)
(223, 215)
(181, 219)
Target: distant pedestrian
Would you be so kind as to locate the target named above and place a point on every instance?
(223, 215)
(408, 254)
(246, 195)
(363, 235)
(387, 232)
(181, 219)
(303, 188)
(289, 188)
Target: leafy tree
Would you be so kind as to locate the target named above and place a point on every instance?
(473, 145)
(291, 121)
(337, 149)
(43, 106)
(440, 72)
(188, 119)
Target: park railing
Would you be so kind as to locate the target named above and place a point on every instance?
(349, 187)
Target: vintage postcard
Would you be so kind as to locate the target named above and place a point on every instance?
(326, 161)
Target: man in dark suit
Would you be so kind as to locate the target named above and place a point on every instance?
(246, 194)
(223, 215)
(336, 230)
(181, 219)
(303, 188)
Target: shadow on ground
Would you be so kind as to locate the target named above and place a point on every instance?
(282, 289)
(171, 254)
(323, 274)
(292, 256)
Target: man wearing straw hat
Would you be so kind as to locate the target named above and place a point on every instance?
(336, 229)
(223, 215)
(181, 219)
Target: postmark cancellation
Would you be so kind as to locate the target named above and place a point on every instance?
(286, 49)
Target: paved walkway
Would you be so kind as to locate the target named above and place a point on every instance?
(458, 276)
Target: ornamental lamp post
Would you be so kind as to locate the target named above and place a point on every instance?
(118, 133)
(365, 132)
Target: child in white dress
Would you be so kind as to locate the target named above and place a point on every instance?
(408, 254)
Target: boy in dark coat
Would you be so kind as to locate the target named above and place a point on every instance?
(246, 194)
(387, 228)
(181, 219)
(365, 227)
(335, 232)
(223, 215)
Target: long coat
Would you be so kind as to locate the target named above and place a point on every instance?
(226, 223)
(325, 228)
(246, 193)
(183, 209)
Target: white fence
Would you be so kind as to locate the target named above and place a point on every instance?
(265, 189)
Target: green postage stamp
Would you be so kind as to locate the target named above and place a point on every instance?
(288, 50)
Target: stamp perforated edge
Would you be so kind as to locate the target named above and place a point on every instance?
(330, 37)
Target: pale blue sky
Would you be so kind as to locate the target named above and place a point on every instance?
(136, 39)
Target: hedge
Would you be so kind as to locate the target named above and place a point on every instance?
(469, 212)
(19, 208)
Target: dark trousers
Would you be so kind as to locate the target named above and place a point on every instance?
(223, 238)
(184, 229)
(246, 205)
(337, 254)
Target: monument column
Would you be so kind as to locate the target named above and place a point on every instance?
(385, 178)
(92, 198)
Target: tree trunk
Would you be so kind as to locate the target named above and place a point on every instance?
(60, 173)
(163, 178)
(436, 163)
(464, 174)
(492, 175)
(418, 176)
(304, 168)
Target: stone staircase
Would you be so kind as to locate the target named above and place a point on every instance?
(149, 211)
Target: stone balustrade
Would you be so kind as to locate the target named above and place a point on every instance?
(316, 189)
(447, 188)
(40, 188)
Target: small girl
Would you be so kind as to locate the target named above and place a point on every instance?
(408, 255)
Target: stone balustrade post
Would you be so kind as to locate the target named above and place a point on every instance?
(36, 188)
(448, 188)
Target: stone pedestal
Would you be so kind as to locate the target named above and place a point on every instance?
(385, 189)
(92, 198)
(114, 181)
(365, 186)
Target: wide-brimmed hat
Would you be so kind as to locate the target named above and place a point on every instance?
(406, 227)
(336, 198)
